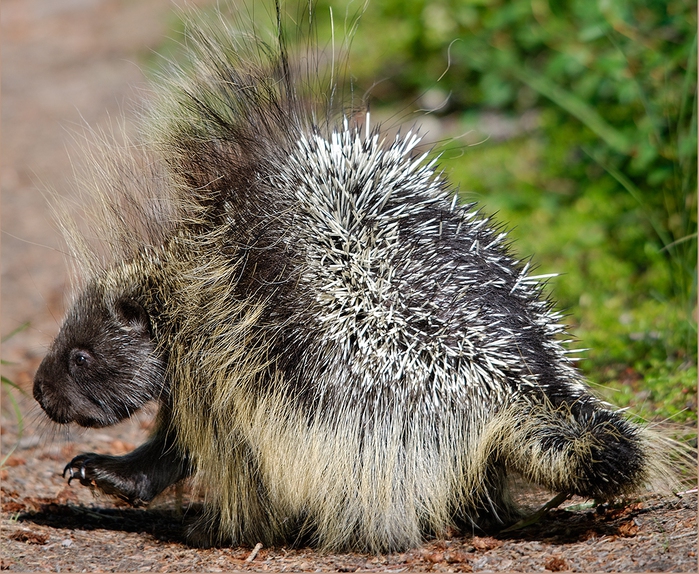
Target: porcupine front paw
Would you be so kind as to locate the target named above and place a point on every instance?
(103, 472)
(137, 477)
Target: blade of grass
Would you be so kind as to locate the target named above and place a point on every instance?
(15, 405)
(20, 423)
(629, 186)
(575, 106)
(19, 329)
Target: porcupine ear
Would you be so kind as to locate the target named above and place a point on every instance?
(134, 317)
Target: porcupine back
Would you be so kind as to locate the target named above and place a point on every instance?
(351, 354)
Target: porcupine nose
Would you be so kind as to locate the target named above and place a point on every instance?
(56, 411)
(38, 390)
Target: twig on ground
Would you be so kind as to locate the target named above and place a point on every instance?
(254, 552)
(534, 518)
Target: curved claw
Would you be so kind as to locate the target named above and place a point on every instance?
(69, 468)
(76, 468)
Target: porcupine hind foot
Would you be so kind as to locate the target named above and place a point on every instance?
(204, 531)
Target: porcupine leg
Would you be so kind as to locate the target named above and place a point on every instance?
(241, 512)
(136, 477)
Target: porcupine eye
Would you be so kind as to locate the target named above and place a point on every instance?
(79, 358)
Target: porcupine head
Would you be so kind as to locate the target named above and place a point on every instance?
(342, 354)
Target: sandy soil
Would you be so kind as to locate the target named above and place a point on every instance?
(69, 62)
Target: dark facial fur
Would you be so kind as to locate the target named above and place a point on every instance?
(102, 366)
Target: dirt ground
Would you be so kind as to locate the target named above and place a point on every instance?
(65, 62)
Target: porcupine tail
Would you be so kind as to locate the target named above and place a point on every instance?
(585, 448)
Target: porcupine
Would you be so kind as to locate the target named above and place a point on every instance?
(341, 353)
